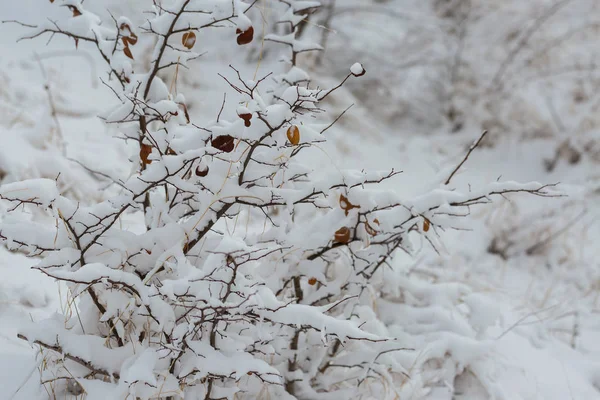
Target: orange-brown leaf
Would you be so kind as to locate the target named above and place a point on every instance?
(342, 235)
(346, 205)
(127, 52)
(132, 39)
(188, 40)
(128, 37)
(145, 151)
(74, 10)
(312, 281)
(129, 40)
(426, 224)
(293, 135)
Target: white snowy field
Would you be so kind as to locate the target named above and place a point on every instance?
(511, 303)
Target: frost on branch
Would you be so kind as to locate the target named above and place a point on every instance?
(256, 273)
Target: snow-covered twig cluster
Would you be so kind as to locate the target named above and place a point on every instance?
(256, 273)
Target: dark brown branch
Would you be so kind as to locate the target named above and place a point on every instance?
(473, 147)
(338, 118)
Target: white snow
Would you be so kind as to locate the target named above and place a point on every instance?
(471, 324)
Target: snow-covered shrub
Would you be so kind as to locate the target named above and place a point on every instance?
(256, 275)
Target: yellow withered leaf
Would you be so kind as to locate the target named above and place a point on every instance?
(426, 224)
(188, 40)
(293, 135)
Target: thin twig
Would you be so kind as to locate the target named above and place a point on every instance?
(222, 107)
(473, 147)
(337, 119)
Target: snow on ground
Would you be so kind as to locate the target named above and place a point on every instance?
(24, 294)
(542, 345)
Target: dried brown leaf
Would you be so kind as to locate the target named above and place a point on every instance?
(293, 135)
(145, 151)
(201, 172)
(342, 235)
(245, 37)
(127, 52)
(224, 143)
(188, 40)
(246, 117)
(74, 10)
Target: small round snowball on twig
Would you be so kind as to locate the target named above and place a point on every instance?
(357, 69)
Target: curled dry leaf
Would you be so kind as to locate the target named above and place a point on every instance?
(188, 40)
(312, 281)
(293, 135)
(370, 230)
(201, 172)
(224, 143)
(342, 235)
(127, 52)
(346, 205)
(128, 37)
(426, 224)
(145, 151)
(132, 39)
(74, 10)
(128, 41)
(246, 117)
(245, 37)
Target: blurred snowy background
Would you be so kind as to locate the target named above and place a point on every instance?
(512, 304)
